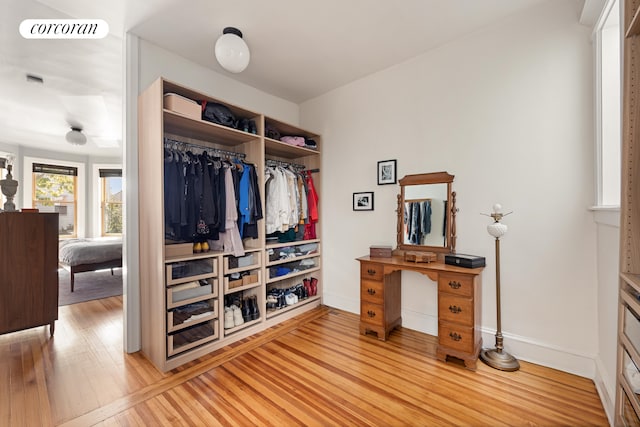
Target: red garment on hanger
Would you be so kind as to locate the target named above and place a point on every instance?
(312, 203)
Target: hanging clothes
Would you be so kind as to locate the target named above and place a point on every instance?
(312, 202)
(230, 238)
(202, 196)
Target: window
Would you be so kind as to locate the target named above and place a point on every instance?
(608, 102)
(55, 190)
(111, 202)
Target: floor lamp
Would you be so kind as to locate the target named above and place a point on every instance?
(496, 357)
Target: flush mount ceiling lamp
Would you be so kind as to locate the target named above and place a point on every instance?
(75, 136)
(231, 50)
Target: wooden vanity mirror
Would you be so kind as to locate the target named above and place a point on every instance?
(426, 214)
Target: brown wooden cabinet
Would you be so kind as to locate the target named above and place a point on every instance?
(28, 270)
(458, 303)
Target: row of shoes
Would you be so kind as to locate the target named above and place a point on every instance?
(240, 312)
(247, 125)
(278, 298)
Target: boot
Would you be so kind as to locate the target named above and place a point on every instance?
(255, 311)
(307, 286)
(246, 310)
(314, 286)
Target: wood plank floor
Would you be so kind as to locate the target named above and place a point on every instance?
(314, 370)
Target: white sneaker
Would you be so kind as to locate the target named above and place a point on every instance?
(228, 318)
(237, 316)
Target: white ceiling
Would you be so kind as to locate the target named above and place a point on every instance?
(299, 50)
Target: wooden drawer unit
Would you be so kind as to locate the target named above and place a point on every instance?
(459, 317)
(371, 313)
(455, 309)
(372, 291)
(455, 336)
(459, 304)
(379, 312)
(456, 284)
(371, 271)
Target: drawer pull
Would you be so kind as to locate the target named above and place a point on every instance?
(371, 313)
(371, 271)
(454, 309)
(454, 284)
(371, 291)
(454, 336)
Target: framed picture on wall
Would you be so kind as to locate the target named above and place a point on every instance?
(387, 172)
(363, 201)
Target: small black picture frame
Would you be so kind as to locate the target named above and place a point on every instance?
(387, 172)
(363, 201)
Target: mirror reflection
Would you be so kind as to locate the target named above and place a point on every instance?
(425, 221)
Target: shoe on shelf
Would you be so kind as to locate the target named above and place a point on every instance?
(307, 286)
(255, 311)
(228, 318)
(314, 286)
(290, 298)
(237, 316)
(272, 302)
(246, 310)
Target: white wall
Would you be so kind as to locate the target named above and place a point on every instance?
(508, 110)
(157, 62)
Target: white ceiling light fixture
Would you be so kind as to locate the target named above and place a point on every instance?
(231, 50)
(75, 136)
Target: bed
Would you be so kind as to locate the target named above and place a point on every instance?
(81, 255)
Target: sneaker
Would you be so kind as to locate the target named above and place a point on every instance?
(237, 316)
(228, 318)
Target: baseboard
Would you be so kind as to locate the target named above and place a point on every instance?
(606, 390)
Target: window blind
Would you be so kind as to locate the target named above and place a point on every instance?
(110, 173)
(55, 169)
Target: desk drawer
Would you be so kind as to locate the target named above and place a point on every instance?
(371, 313)
(372, 291)
(455, 336)
(455, 309)
(457, 284)
(371, 271)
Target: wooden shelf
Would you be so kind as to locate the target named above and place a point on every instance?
(175, 123)
(296, 274)
(295, 243)
(297, 258)
(274, 313)
(245, 325)
(278, 148)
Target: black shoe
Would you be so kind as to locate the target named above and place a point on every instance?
(255, 311)
(243, 125)
(252, 127)
(246, 310)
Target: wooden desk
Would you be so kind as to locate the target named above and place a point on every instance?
(459, 307)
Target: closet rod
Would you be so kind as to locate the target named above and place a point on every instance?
(183, 145)
(272, 162)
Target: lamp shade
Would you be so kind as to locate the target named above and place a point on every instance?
(231, 51)
(76, 137)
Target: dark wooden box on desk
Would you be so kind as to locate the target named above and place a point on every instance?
(28, 270)
(459, 306)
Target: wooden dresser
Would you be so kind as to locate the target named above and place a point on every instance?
(28, 270)
(459, 303)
